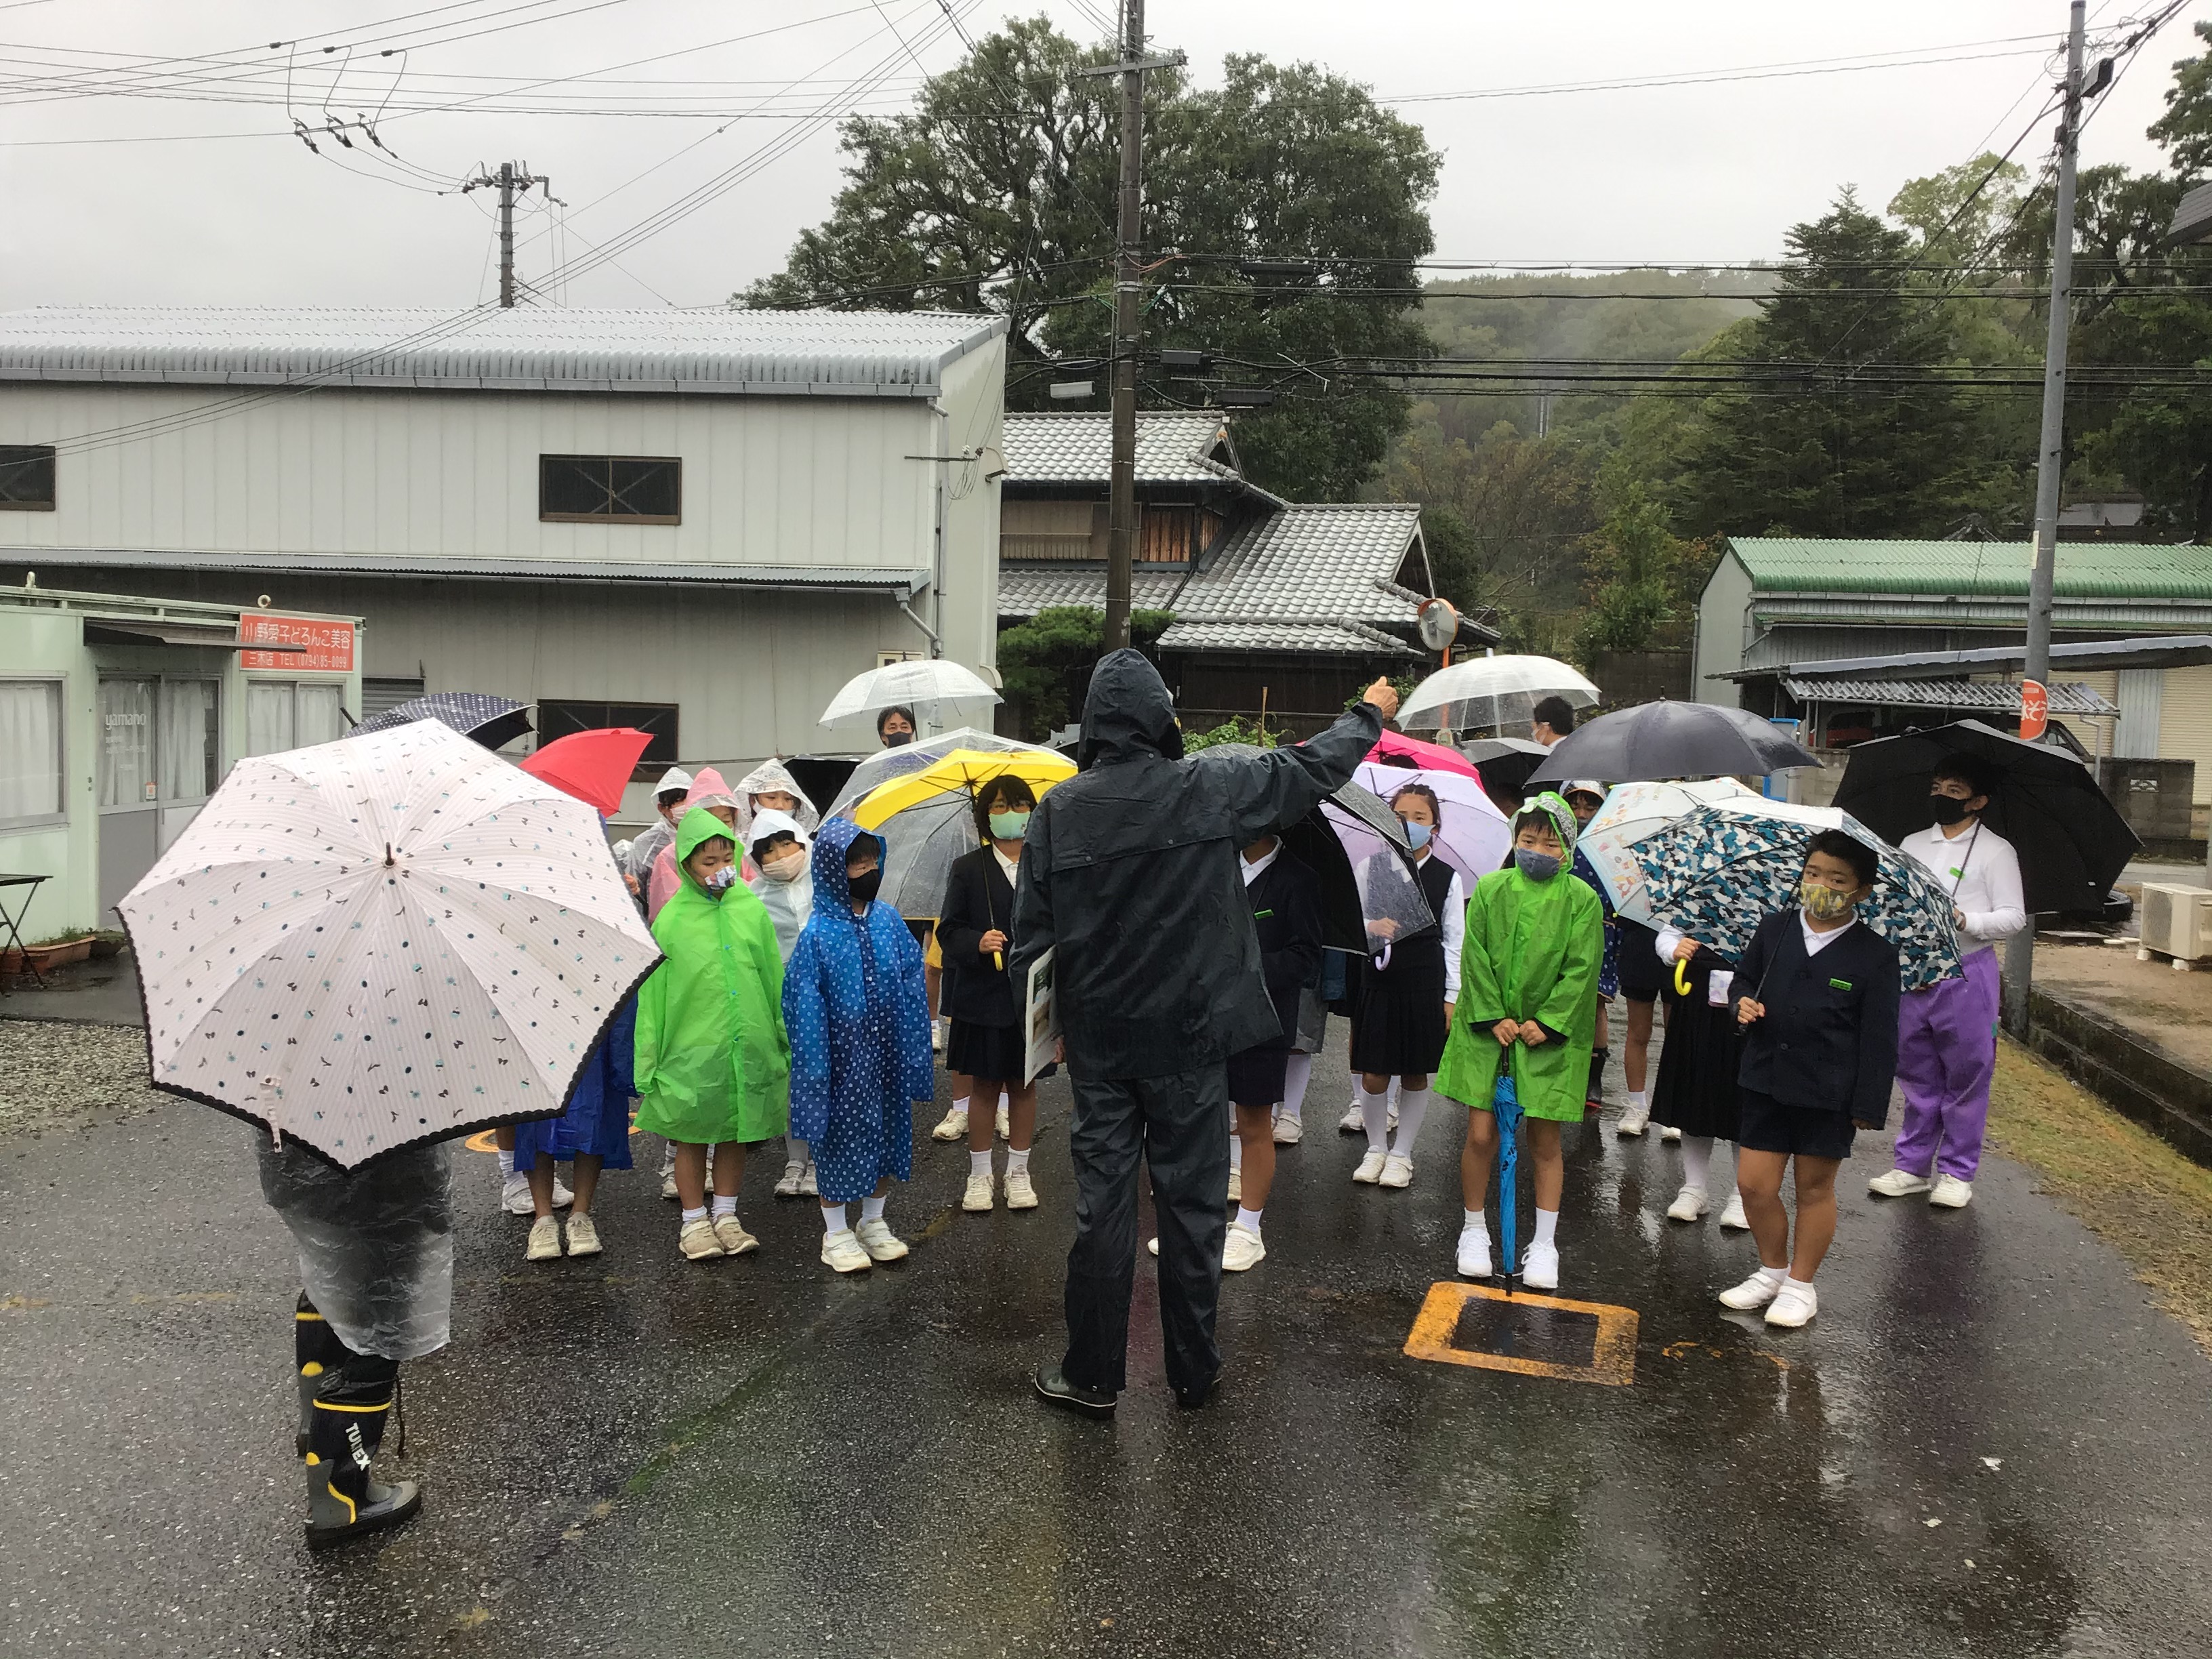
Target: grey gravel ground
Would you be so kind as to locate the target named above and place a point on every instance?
(55, 1076)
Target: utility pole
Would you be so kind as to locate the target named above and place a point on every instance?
(2050, 461)
(510, 180)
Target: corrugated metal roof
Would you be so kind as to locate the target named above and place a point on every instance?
(1078, 449)
(847, 353)
(1893, 610)
(2106, 570)
(817, 578)
(1998, 697)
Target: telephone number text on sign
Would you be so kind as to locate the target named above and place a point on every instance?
(330, 644)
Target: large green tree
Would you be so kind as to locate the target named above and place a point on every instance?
(997, 191)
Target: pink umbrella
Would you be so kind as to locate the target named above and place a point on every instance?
(1428, 756)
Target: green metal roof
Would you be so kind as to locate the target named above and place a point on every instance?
(2110, 570)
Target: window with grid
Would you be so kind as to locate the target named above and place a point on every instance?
(27, 478)
(609, 490)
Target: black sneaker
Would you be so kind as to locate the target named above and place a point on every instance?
(1052, 1387)
(1192, 1398)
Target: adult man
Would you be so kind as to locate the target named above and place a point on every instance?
(1551, 719)
(668, 801)
(1129, 872)
(895, 727)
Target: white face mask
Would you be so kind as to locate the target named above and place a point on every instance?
(786, 868)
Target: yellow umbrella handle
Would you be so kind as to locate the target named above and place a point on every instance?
(998, 961)
(1681, 978)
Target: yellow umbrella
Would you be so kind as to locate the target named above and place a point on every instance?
(924, 816)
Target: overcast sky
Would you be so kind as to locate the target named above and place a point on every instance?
(170, 206)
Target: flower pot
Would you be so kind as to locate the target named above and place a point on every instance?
(48, 957)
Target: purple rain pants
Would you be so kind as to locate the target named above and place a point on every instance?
(1947, 1052)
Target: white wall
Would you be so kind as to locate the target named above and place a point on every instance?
(1721, 630)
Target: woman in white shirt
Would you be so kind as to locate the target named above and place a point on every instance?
(1947, 1047)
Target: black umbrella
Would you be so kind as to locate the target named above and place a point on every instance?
(1656, 740)
(1505, 765)
(494, 722)
(824, 777)
(2071, 839)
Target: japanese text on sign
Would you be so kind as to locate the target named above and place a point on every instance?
(329, 644)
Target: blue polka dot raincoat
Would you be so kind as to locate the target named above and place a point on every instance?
(854, 1005)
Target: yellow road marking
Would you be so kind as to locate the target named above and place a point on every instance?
(1612, 1353)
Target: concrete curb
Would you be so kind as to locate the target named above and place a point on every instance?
(2141, 1081)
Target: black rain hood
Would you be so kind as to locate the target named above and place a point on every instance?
(1127, 712)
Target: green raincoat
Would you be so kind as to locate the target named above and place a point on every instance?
(1532, 952)
(713, 1061)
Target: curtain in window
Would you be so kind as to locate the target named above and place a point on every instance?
(30, 749)
(188, 730)
(319, 721)
(269, 717)
(126, 743)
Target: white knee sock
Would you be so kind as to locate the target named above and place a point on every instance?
(1392, 1092)
(1697, 1160)
(1475, 1222)
(1374, 1113)
(794, 1152)
(871, 1209)
(1412, 1107)
(1017, 1162)
(979, 1163)
(1249, 1218)
(1236, 1149)
(1547, 1224)
(833, 1218)
(725, 1206)
(506, 1163)
(1296, 1075)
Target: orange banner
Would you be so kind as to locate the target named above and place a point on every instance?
(329, 644)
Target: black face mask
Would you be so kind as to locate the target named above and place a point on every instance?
(865, 888)
(897, 739)
(1950, 810)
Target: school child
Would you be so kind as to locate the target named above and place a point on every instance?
(668, 795)
(1286, 915)
(1946, 1041)
(1527, 1003)
(1310, 1037)
(1696, 1093)
(713, 1062)
(770, 787)
(593, 1132)
(1586, 797)
(1642, 978)
(707, 792)
(1405, 996)
(1819, 1010)
(859, 1020)
(782, 881)
(986, 1043)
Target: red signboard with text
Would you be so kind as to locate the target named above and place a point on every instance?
(2034, 710)
(329, 644)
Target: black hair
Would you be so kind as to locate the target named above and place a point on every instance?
(1436, 806)
(899, 708)
(1555, 713)
(727, 841)
(1539, 818)
(1972, 770)
(663, 791)
(767, 841)
(1007, 788)
(1851, 850)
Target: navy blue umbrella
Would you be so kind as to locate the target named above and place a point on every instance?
(494, 722)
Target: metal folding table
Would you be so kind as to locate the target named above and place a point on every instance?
(13, 924)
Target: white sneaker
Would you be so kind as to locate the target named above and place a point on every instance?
(1474, 1253)
(1004, 1122)
(1633, 1119)
(982, 1192)
(845, 1252)
(668, 1184)
(1539, 1267)
(583, 1235)
(1793, 1307)
(1666, 1131)
(697, 1241)
(937, 1036)
(1370, 1167)
(954, 1125)
(1733, 1219)
(1755, 1292)
(735, 1240)
(1237, 1186)
(792, 1172)
(1689, 1205)
(1289, 1131)
(1397, 1171)
(1899, 1183)
(545, 1240)
(1242, 1250)
(514, 1195)
(878, 1239)
(1950, 1192)
(1353, 1123)
(1020, 1193)
(806, 1186)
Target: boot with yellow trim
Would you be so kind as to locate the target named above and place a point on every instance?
(316, 1352)
(351, 1407)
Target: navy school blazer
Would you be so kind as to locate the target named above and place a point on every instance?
(1829, 1040)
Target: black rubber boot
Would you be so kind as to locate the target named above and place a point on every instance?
(316, 1351)
(1593, 1094)
(351, 1407)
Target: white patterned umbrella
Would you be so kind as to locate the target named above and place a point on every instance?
(1632, 811)
(381, 941)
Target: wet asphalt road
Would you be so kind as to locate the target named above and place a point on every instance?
(636, 1455)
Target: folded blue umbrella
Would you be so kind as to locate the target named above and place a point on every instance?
(1506, 1102)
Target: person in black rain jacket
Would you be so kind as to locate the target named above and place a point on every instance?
(1129, 875)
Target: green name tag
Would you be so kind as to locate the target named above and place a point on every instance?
(1840, 984)
(1256, 915)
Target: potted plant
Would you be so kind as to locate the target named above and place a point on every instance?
(108, 942)
(47, 954)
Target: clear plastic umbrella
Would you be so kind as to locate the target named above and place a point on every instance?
(888, 764)
(1493, 691)
(1473, 835)
(927, 818)
(913, 685)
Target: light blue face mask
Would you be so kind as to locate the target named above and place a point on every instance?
(1417, 835)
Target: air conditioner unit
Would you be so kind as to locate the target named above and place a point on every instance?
(2176, 922)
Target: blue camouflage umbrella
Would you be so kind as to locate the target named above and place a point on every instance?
(1717, 873)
